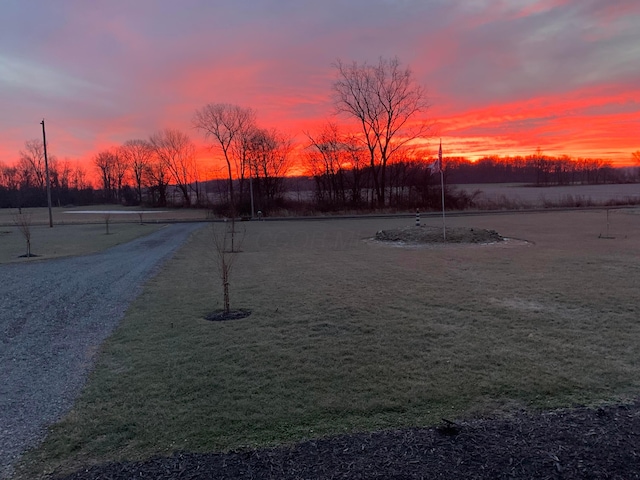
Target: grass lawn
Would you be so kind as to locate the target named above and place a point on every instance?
(350, 335)
(94, 214)
(66, 240)
(82, 230)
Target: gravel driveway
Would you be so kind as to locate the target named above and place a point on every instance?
(53, 316)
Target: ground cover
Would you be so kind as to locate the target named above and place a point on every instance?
(67, 240)
(96, 214)
(516, 195)
(82, 230)
(425, 235)
(348, 335)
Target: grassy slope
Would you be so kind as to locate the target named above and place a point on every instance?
(350, 335)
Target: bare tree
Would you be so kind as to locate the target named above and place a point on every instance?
(225, 256)
(78, 178)
(105, 162)
(385, 101)
(120, 171)
(107, 220)
(175, 150)
(158, 180)
(227, 126)
(9, 177)
(336, 161)
(32, 163)
(137, 154)
(23, 222)
(268, 155)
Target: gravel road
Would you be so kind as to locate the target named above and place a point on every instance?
(53, 316)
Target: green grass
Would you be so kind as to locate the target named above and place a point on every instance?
(348, 335)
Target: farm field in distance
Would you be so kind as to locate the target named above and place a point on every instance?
(349, 335)
(522, 195)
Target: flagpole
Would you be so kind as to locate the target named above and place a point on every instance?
(444, 226)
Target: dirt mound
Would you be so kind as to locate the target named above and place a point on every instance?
(423, 234)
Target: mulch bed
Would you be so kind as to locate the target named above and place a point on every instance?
(231, 315)
(581, 443)
(427, 235)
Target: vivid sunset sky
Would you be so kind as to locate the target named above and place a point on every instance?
(503, 76)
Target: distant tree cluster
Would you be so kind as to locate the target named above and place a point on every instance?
(24, 183)
(342, 180)
(536, 169)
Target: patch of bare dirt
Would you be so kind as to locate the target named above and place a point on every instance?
(581, 443)
(426, 235)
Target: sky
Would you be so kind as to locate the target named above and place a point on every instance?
(503, 77)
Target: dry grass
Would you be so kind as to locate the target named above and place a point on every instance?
(72, 215)
(66, 240)
(350, 335)
(76, 232)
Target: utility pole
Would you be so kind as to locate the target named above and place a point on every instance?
(46, 172)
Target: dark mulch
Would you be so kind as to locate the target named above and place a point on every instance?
(427, 234)
(580, 443)
(231, 315)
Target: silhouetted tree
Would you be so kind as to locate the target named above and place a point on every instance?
(225, 256)
(138, 154)
(23, 222)
(385, 101)
(106, 163)
(175, 150)
(227, 127)
(268, 158)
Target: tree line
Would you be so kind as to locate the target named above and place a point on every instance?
(378, 161)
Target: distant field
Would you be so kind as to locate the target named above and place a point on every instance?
(518, 194)
(351, 335)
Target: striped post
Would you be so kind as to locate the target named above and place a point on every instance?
(417, 217)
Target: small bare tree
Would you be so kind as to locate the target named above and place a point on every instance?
(225, 256)
(107, 219)
(23, 222)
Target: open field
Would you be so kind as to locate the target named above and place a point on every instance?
(348, 335)
(518, 195)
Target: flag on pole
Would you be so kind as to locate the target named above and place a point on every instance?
(436, 166)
